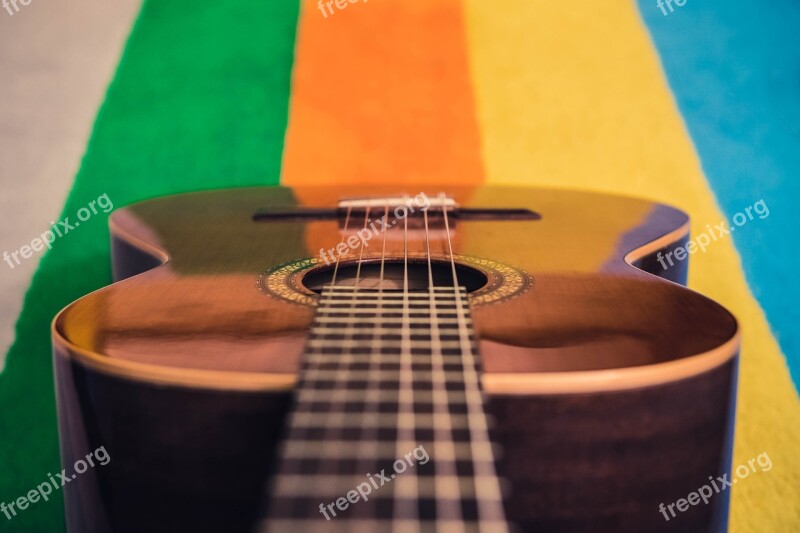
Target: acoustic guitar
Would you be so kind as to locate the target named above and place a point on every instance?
(369, 359)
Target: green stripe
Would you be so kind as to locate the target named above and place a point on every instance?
(199, 101)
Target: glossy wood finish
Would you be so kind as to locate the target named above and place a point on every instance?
(592, 372)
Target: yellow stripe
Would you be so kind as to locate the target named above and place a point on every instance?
(572, 95)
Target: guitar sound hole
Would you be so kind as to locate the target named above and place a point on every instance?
(393, 275)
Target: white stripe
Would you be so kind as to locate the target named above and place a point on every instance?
(57, 60)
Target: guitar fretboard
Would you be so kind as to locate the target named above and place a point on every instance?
(388, 429)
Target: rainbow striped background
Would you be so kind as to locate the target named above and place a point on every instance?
(698, 108)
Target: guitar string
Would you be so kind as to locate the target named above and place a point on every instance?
(405, 509)
(369, 430)
(361, 251)
(341, 242)
(443, 422)
(383, 250)
(299, 433)
(346, 356)
(489, 486)
(314, 361)
(443, 197)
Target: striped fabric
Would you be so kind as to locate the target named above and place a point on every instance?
(575, 95)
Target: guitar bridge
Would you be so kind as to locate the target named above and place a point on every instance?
(357, 206)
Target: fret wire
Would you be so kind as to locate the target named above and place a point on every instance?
(384, 358)
(302, 486)
(437, 289)
(316, 343)
(321, 321)
(383, 396)
(444, 318)
(378, 331)
(448, 307)
(423, 420)
(392, 299)
(312, 525)
(344, 449)
(330, 375)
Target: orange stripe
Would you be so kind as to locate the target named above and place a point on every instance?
(382, 94)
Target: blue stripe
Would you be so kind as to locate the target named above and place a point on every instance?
(734, 68)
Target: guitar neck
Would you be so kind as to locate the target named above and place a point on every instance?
(388, 427)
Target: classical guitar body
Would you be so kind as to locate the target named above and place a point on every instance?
(528, 356)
